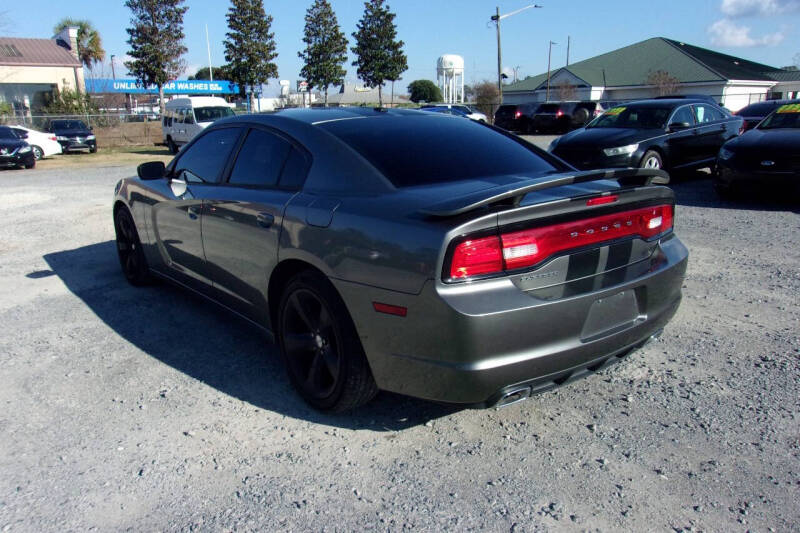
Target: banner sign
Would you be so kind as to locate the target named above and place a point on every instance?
(129, 86)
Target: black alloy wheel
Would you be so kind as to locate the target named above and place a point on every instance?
(322, 352)
(129, 249)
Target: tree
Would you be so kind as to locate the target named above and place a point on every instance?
(66, 102)
(487, 96)
(379, 56)
(156, 41)
(326, 48)
(424, 91)
(250, 46)
(90, 46)
(663, 81)
(220, 73)
(565, 91)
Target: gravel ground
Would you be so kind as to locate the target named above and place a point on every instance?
(148, 409)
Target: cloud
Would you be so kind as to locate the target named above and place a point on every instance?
(727, 33)
(741, 8)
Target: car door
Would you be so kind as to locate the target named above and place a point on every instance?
(682, 143)
(242, 223)
(177, 218)
(711, 131)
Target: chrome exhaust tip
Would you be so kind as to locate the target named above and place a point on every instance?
(513, 396)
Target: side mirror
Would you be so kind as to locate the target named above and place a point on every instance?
(678, 126)
(152, 170)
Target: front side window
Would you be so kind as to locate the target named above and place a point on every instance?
(260, 160)
(205, 159)
(683, 114)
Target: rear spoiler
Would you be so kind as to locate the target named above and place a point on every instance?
(512, 194)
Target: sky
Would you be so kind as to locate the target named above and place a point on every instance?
(765, 31)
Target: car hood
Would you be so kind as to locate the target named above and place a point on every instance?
(606, 137)
(73, 133)
(770, 141)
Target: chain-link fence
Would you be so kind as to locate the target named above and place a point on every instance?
(111, 129)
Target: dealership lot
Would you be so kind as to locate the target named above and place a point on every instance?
(150, 409)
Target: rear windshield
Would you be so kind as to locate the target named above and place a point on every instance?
(68, 125)
(759, 109)
(422, 150)
(506, 110)
(548, 108)
(210, 114)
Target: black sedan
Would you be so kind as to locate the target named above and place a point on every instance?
(73, 135)
(14, 152)
(670, 134)
(758, 111)
(407, 251)
(766, 156)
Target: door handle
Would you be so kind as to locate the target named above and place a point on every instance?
(194, 212)
(265, 220)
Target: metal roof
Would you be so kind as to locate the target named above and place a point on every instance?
(631, 66)
(16, 51)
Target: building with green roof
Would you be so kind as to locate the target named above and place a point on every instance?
(659, 66)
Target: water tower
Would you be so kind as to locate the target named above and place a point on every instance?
(450, 76)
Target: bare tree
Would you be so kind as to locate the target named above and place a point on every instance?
(566, 91)
(663, 81)
(487, 97)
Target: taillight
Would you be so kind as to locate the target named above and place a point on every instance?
(518, 114)
(52, 138)
(559, 113)
(525, 248)
(477, 257)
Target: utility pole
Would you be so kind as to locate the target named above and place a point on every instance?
(113, 73)
(496, 18)
(568, 42)
(549, 52)
(208, 47)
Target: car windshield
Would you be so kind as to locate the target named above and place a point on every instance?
(6, 133)
(210, 114)
(787, 116)
(638, 117)
(428, 149)
(69, 125)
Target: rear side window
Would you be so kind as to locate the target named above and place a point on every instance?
(294, 171)
(260, 160)
(205, 159)
(413, 151)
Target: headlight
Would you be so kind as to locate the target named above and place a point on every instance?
(90, 138)
(553, 144)
(61, 138)
(620, 150)
(24, 150)
(724, 153)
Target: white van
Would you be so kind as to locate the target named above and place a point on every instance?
(186, 117)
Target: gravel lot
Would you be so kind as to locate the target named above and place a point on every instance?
(148, 409)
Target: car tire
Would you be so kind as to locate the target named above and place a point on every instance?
(93, 150)
(580, 117)
(38, 153)
(173, 148)
(129, 249)
(652, 159)
(726, 191)
(320, 347)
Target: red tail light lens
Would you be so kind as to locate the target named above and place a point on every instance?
(518, 114)
(520, 249)
(477, 257)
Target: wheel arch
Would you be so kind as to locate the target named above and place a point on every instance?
(660, 151)
(281, 274)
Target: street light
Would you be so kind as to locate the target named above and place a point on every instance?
(113, 74)
(549, 51)
(496, 18)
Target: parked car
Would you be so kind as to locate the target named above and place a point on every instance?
(444, 111)
(766, 157)
(669, 134)
(561, 117)
(14, 152)
(457, 109)
(515, 117)
(186, 117)
(73, 135)
(404, 251)
(756, 112)
(42, 144)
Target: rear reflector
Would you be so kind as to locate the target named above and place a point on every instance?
(521, 249)
(389, 309)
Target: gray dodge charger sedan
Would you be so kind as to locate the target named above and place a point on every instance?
(406, 251)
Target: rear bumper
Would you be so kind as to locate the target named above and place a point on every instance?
(473, 344)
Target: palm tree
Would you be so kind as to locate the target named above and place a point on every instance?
(90, 47)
